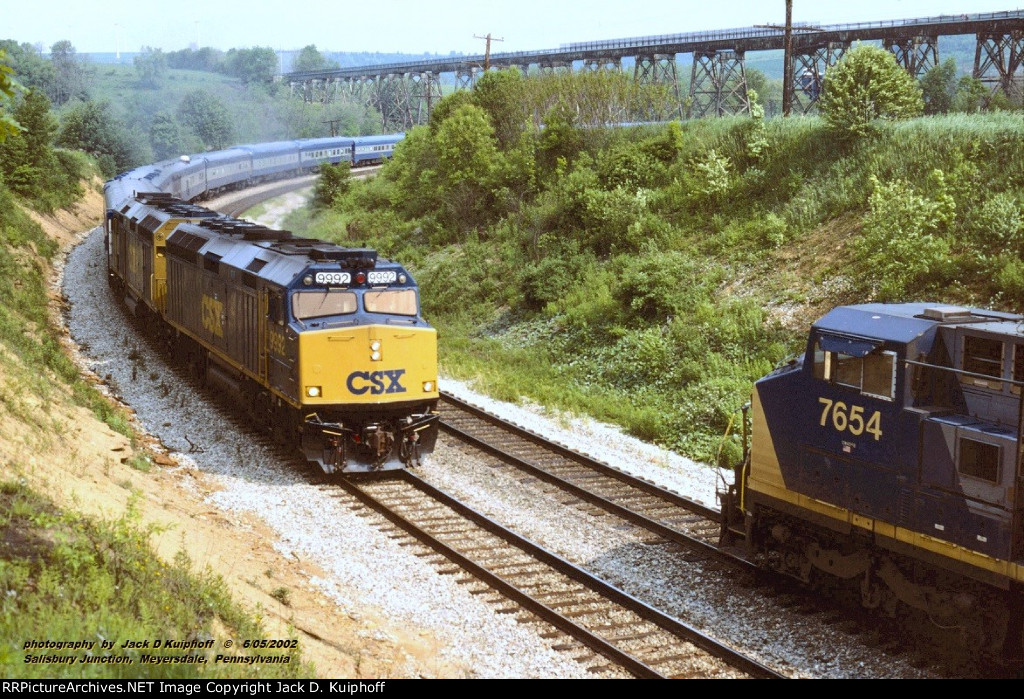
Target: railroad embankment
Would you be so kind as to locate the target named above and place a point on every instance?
(104, 535)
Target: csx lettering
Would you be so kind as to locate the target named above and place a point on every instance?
(359, 382)
(212, 312)
(850, 419)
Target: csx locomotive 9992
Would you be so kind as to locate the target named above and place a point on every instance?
(323, 345)
(887, 461)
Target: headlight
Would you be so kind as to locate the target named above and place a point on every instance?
(375, 356)
(375, 345)
(428, 386)
(313, 391)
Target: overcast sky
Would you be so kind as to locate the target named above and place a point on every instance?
(421, 26)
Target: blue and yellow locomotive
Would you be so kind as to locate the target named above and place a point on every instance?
(887, 460)
(323, 345)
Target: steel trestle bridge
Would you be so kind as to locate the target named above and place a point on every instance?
(404, 93)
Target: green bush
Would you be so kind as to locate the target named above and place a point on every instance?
(902, 240)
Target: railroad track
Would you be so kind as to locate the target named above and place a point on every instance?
(667, 515)
(235, 204)
(613, 626)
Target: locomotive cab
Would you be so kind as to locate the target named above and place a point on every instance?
(366, 365)
(888, 457)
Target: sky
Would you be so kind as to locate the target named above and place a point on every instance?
(422, 26)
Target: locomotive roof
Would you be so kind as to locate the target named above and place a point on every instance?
(276, 256)
(904, 322)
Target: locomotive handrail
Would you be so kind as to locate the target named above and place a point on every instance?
(972, 374)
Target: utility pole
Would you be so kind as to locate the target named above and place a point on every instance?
(787, 61)
(787, 69)
(487, 51)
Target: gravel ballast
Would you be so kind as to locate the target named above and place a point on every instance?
(365, 568)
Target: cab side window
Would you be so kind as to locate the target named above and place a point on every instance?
(872, 374)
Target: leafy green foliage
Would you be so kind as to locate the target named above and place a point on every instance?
(332, 184)
(29, 165)
(64, 576)
(151, 65)
(8, 125)
(939, 87)
(254, 65)
(310, 58)
(169, 138)
(207, 59)
(33, 71)
(208, 118)
(92, 127)
(867, 84)
(70, 80)
(902, 241)
(467, 157)
(501, 93)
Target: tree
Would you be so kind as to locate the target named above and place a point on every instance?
(93, 128)
(33, 71)
(560, 141)
(971, 95)
(8, 125)
(151, 66)
(168, 139)
(29, 165)
(467, 159)
(938, 88)
(256, 65)
(501, 93)
(207, 117)
(334, 181)
(446, 107)
(310, 58)
(867, 84)
(205, 59)
(70, 75)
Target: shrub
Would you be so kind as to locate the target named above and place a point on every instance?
(901, 244)
(867, 84)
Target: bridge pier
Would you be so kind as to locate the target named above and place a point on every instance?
(425, 93)
(997, 63)
(718, 84)
(465, 78)
(660, 69)
(551, 67)
(917, 54)
(811, 64)
(599, 63)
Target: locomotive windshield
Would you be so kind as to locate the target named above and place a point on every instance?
(317, 304)
(397, 301)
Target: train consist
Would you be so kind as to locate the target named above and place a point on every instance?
(886, 462)
(323, 346)
(197, 177)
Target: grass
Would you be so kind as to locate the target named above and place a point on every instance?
(64, 577)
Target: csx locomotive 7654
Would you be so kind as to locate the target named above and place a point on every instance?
(324, 346)
(887, 461)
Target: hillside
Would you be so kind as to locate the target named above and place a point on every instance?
(649, 275)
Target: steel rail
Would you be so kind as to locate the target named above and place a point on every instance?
(634, 665)
(665, 531)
